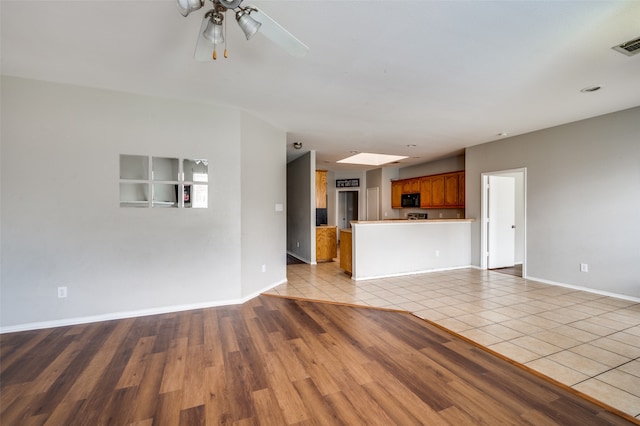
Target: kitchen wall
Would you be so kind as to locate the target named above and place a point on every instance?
(301, 207)
(583, 199)
(445, 165)
(62, 224)
(382, 178)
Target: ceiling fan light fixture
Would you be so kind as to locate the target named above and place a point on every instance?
(187, 6)
(214, 31)
(248, 25)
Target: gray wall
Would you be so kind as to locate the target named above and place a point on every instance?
(301, 200)
(445, 165)
(583, 199)
(388, 174)
(264, 183)
(61, 220)
(374, 180)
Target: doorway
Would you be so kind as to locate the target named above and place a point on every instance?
(347, 208)
(503, 238)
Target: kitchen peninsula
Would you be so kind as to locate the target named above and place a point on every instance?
(401, 247)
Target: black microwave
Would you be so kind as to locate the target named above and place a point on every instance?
(410, 200)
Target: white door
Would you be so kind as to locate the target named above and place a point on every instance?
(502, 213)
(373, 204)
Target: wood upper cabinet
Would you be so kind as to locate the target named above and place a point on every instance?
(451, 190)
(443, 191)
(425, 192)
(396, 194)
(437, 191)
(411, 186)
(461, 190)
(321, 189)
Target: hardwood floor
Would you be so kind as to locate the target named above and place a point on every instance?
(273, 361)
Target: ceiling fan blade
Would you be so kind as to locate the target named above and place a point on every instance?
(277, 34)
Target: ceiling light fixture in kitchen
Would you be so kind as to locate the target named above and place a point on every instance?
(369, 159)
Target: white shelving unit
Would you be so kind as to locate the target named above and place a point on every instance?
(156, 182)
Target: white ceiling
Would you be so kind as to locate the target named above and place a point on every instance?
(380, 75)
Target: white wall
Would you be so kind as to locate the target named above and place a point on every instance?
(264, 184)
(410, 247)
(583, 199)
(61, 220)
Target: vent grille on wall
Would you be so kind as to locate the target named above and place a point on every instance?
(629, 48)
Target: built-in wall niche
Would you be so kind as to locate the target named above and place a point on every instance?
(163, 182)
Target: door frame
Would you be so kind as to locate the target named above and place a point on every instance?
(484, 206)
(338, 191)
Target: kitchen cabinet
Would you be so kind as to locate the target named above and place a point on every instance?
(326, 243)
(321, 189)
(425, 192)
(345, 251)
(396, 194)
(411, 186)
(461, 189)
(437, 191)
(451, 190)
(443, 191)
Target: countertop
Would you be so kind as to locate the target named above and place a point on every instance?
(388, 221)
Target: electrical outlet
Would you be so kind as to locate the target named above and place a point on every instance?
(62, 292)
(298, 244)
(440, 215)
(264, 268)
(437, 253)
(584, 267)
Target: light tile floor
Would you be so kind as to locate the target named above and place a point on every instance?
(584, 340)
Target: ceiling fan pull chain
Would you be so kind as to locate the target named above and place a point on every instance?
(225, 36)
(215, 55)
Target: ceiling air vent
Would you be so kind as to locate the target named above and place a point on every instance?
(629, 48)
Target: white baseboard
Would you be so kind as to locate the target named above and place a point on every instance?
(586, 289)
(133, 314)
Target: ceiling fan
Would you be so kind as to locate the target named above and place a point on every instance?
(249, 18)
